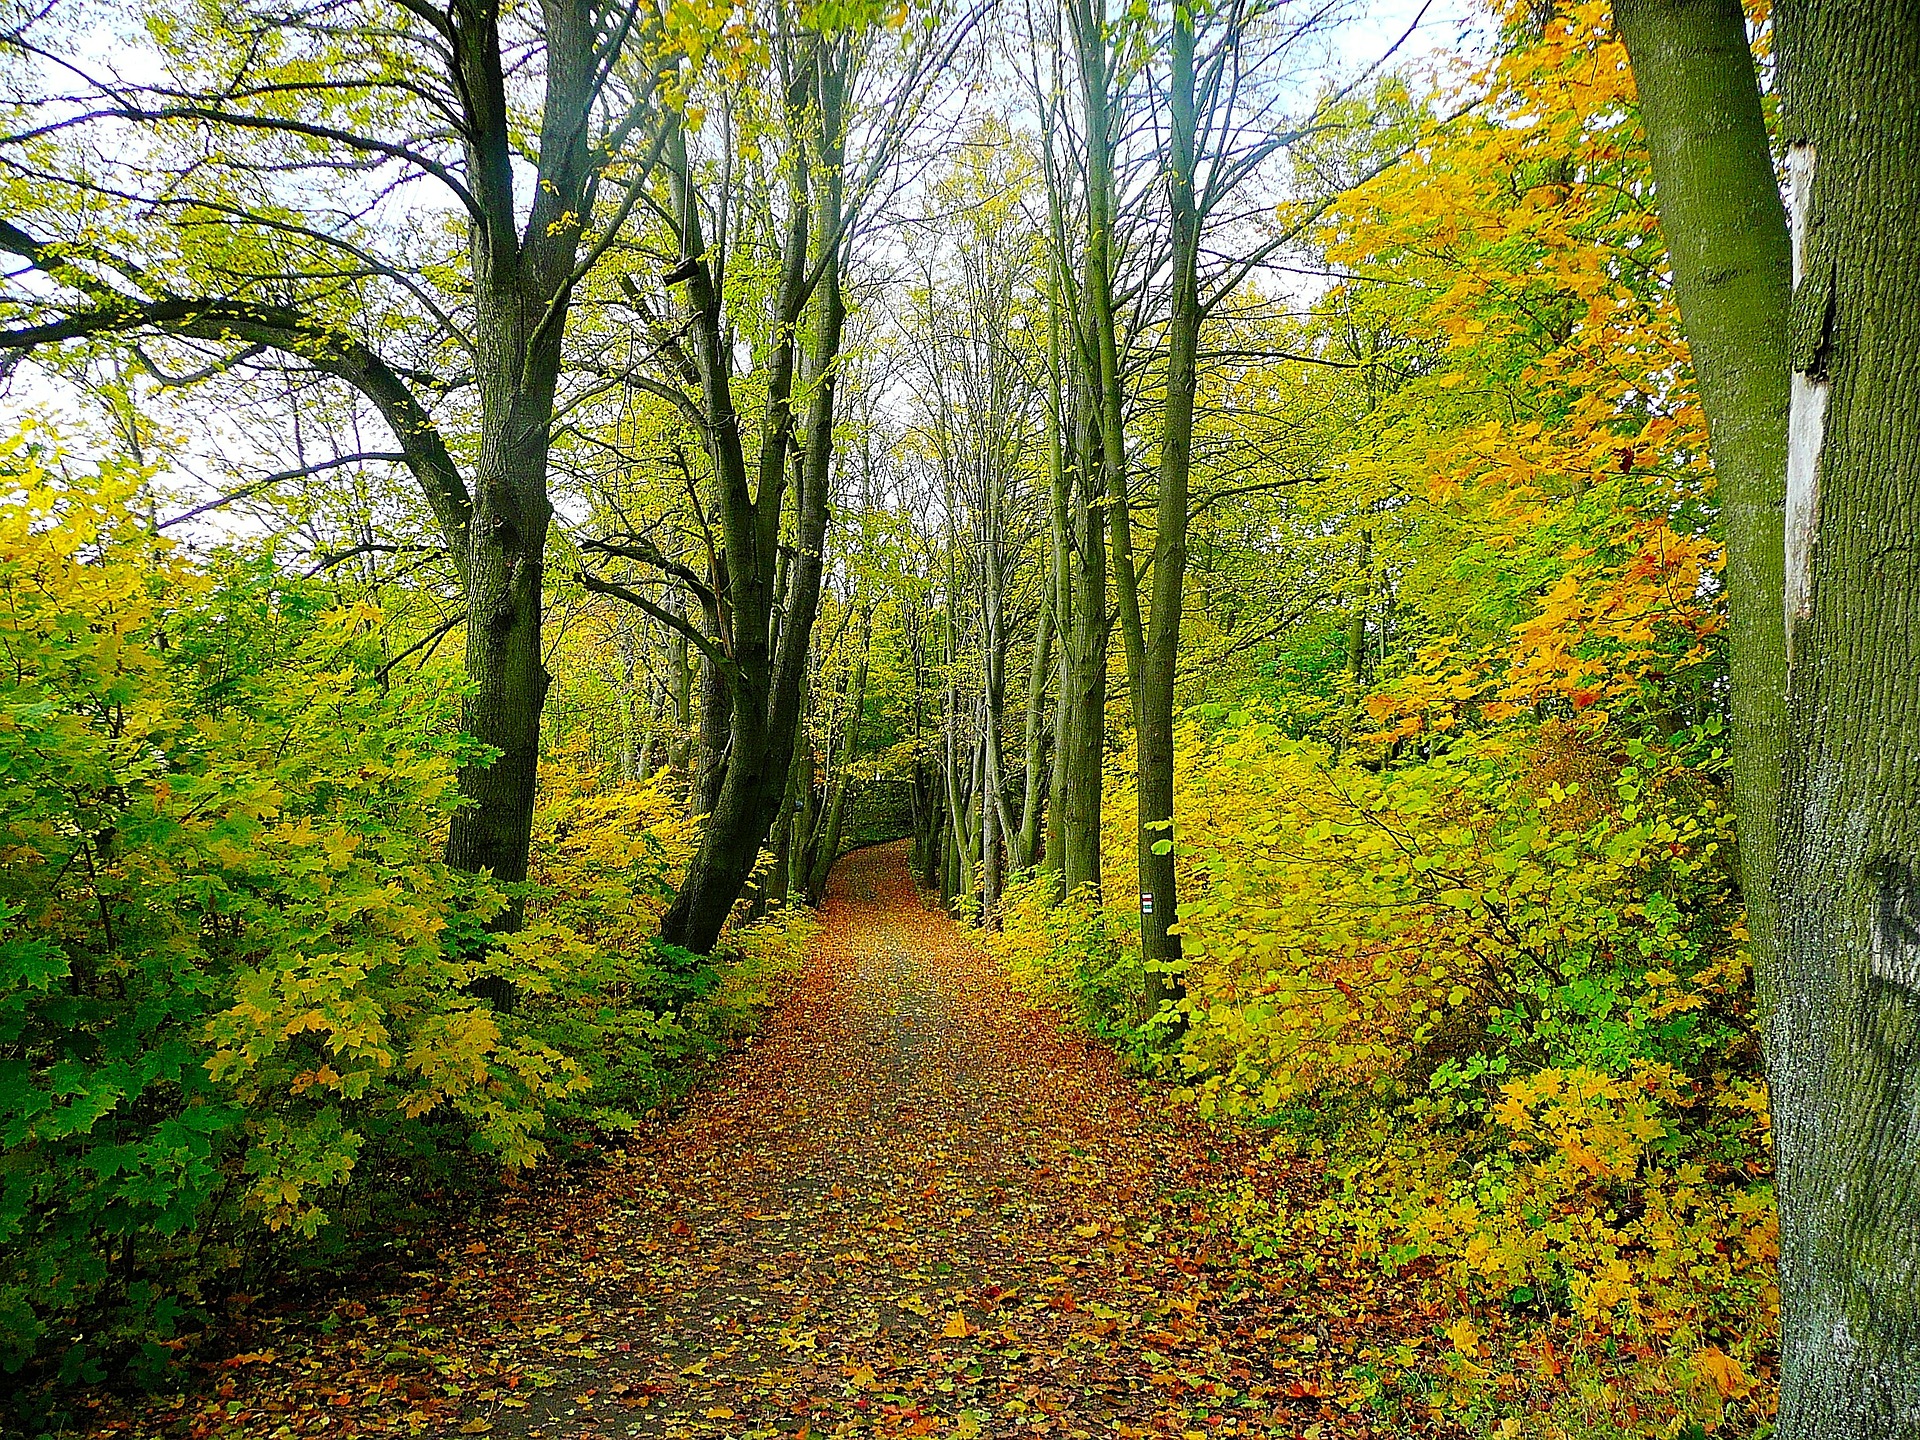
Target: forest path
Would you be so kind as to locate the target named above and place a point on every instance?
(913, 1206)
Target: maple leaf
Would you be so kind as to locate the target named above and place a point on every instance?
(1726, 1373)
(1464, 1335)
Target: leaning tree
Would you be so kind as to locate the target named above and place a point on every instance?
(765, 184)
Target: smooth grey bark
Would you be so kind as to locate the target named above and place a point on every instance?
(1844, 1036)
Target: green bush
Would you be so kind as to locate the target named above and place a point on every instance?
(232, 968)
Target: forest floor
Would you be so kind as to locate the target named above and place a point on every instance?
(914, 1205)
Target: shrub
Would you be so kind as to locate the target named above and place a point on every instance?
(232, 966)
(1496, 993)
(1072, 954)
(633, 1012)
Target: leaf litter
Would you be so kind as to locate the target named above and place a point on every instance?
(914, 1205)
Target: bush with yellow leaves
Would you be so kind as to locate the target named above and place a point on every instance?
(236, 978)
(632, 1011)
(1498, 995)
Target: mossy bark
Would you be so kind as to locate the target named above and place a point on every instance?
(1153, 679)
(1726, 235)
(1844, 1036)
(767, 658)
(1083, 676)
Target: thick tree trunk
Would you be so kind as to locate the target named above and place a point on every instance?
(508, 683)
(950, 876)
(1726, 236)
(765, 671)
(521, 289)
(1100, 473)
(928, 822)
(1844, 1036)
(493, 829)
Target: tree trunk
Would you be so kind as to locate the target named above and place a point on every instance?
(1026, 840)
(779, 887)
(1159, 663)
(521, 291)
(644, 764)
(765, 673)
(716, 720)
(787, 830)
(1726, 235)
(1844, 1036)
(1059, 427)
(1357, 618)
(832, 825)
(507, 681)
(680, 750)
(962, 837)
(1084, 672)
(1100, 463)
(993, 709)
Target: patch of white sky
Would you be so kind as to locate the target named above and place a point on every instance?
(213, 451)
(1342, 47)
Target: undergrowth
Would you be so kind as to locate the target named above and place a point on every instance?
(1504, 1018)
(241, 1043)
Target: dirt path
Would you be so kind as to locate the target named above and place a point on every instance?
(916, 1206)
(913, 1206)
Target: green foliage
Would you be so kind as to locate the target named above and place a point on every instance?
(238, 986)
(1071, 953)
(637, 1014)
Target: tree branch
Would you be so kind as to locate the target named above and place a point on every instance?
(267, 482)
(721, 661)
(326, 348)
